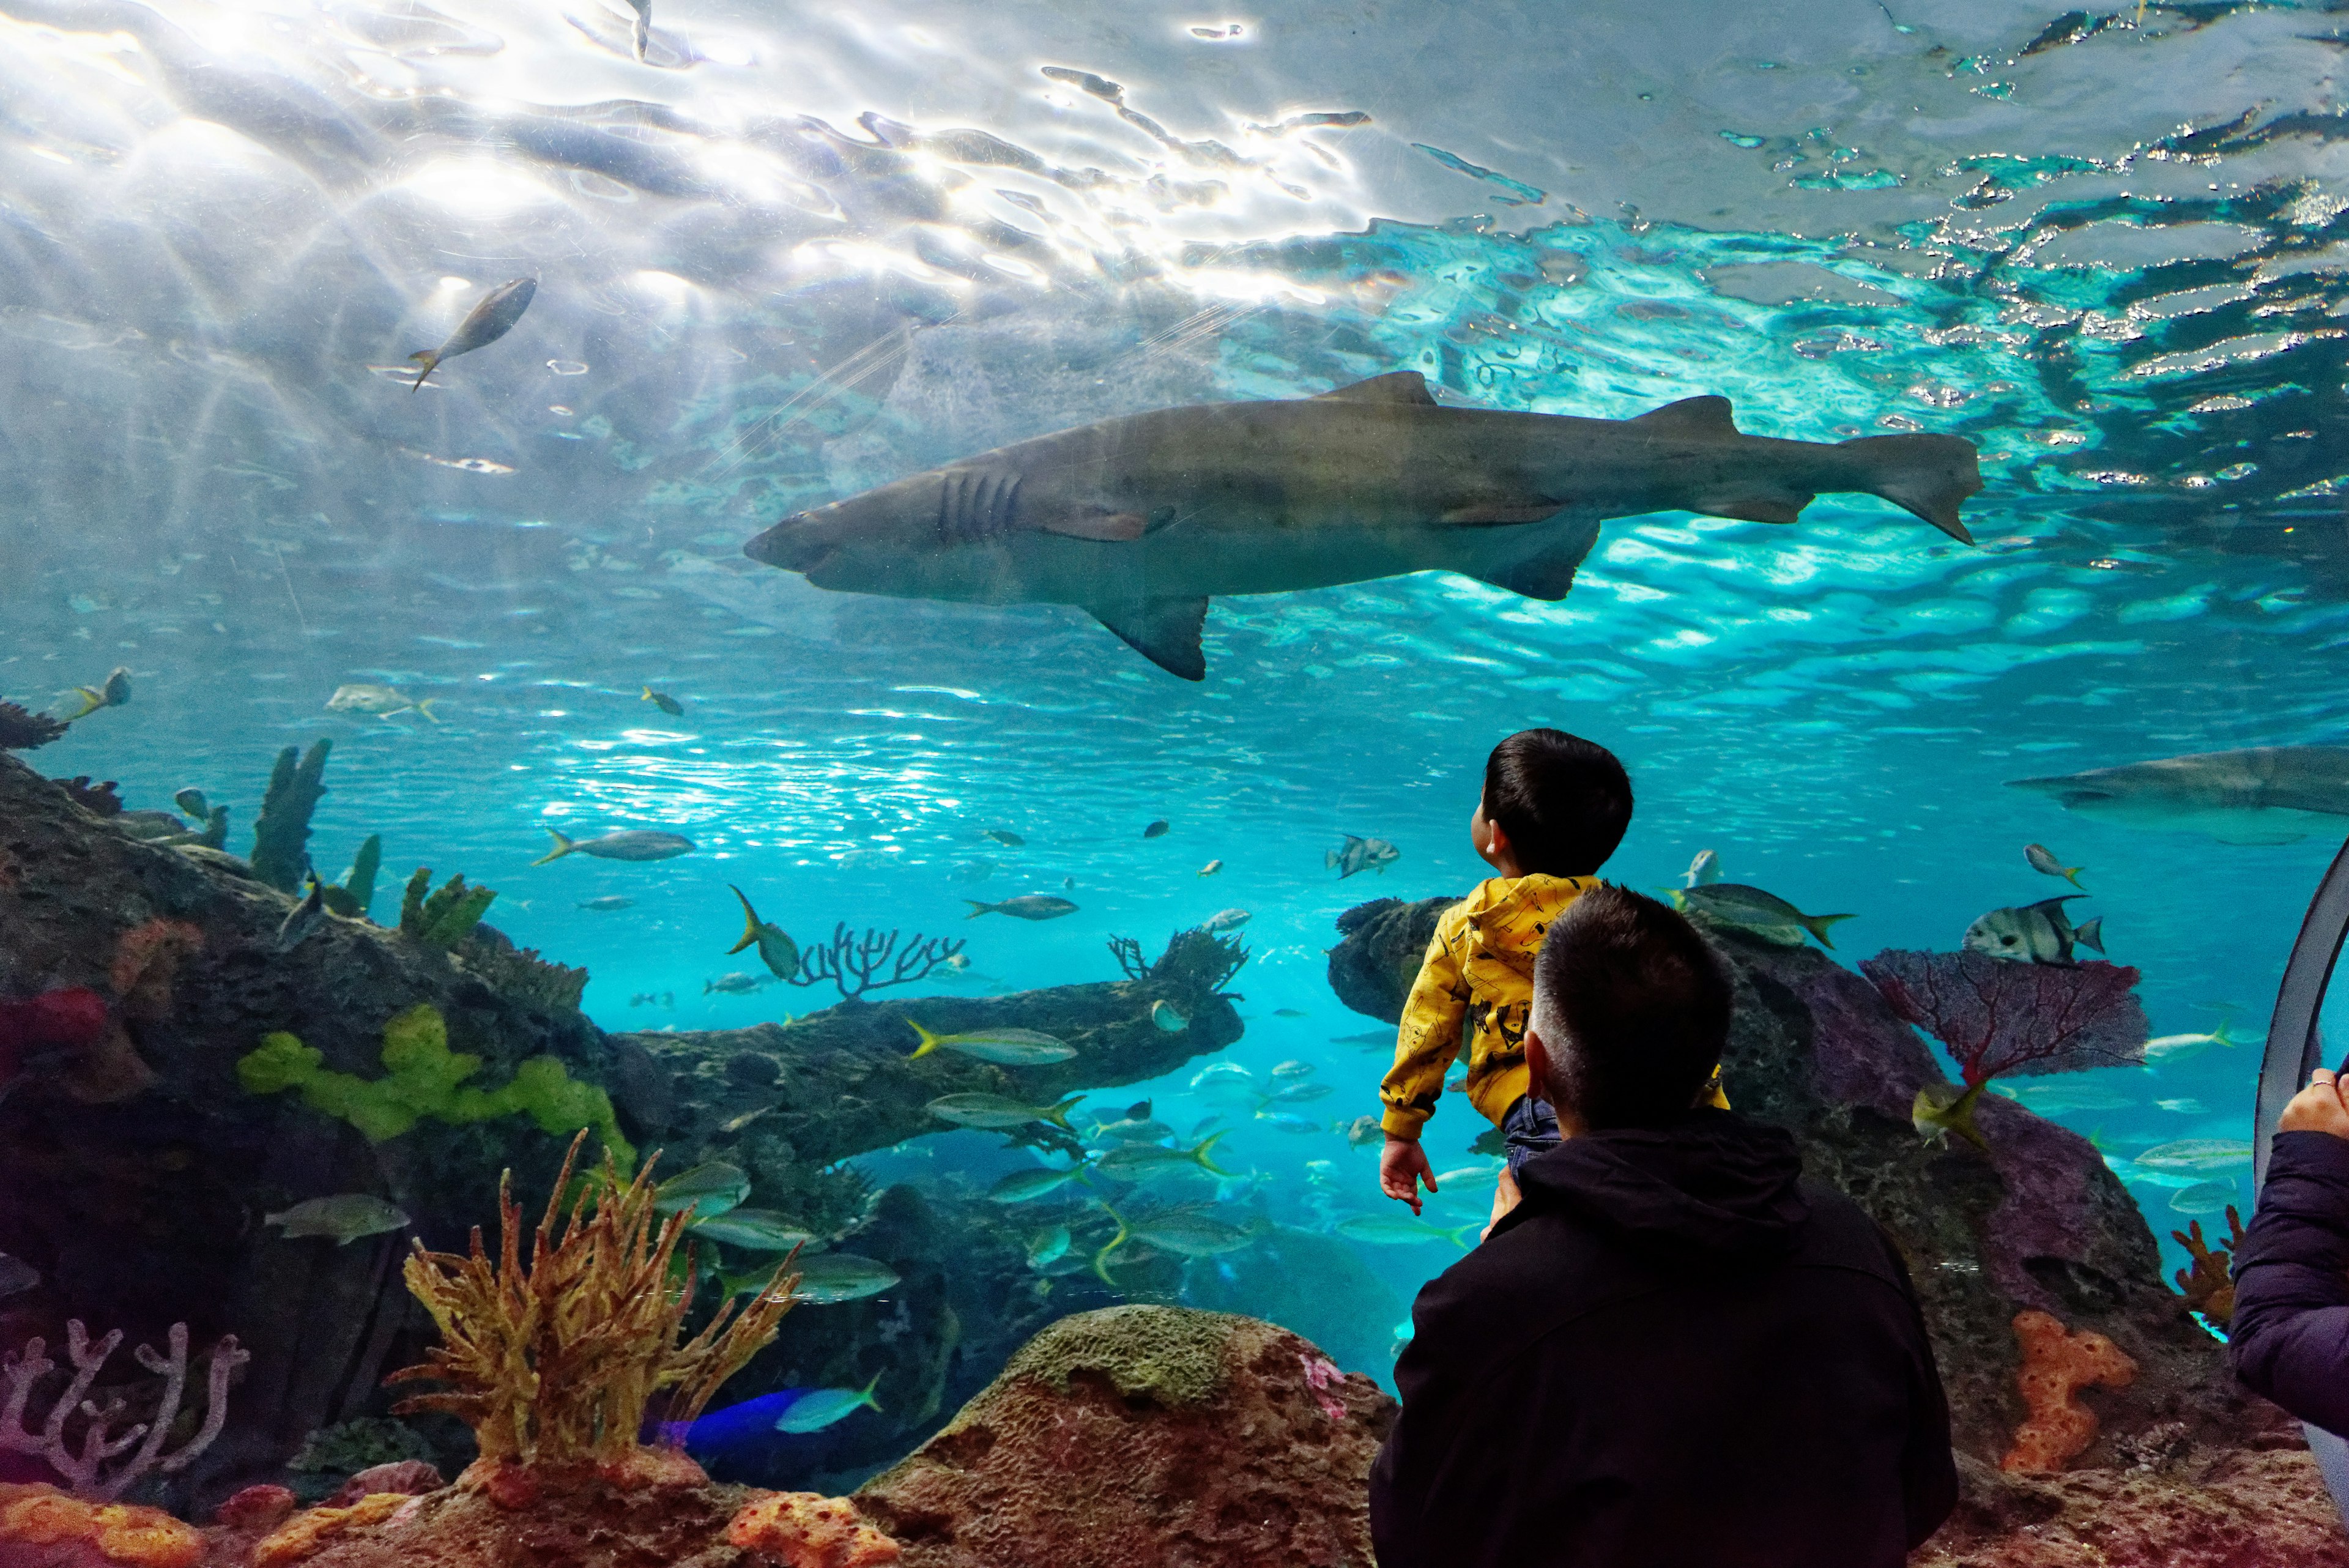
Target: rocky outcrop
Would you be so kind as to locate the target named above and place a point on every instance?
(135, 1172)
(2042, 1224)
(1146, 1435)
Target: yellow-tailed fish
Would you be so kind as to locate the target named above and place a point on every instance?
(776, 950)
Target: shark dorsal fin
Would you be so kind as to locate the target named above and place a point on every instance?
(1164, 631)
(1696, 416)
(1394, 387)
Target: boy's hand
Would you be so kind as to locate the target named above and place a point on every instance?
(2316, 1108)
(1402, 1166)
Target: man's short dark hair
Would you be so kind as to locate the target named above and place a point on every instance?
(1564, 802)
(1639, 1004)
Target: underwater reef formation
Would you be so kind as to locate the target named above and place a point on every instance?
(136, 1163)
(77, 1438)
(1145, 1434)
(2056, 1364)
(42, 1527)
(2040, 1225)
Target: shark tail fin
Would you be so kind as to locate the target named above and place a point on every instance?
(562, 847)
(1927, 475)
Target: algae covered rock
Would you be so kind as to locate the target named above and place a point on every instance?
(1145, 1434)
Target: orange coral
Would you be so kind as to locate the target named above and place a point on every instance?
(41, 1515)
(808, 1530)
(147, 960)
(305, 1532)
(2056, 1364)
(2209, 1287)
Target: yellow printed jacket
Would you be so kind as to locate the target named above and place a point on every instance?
(1476, 983)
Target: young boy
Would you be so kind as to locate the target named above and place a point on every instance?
(1554, 807)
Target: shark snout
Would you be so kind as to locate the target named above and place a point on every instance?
(799, 543)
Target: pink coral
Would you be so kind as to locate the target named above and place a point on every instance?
(807, 1530)
(260, 1507)
(2056, 1364)
(96, 1467)
(1998, 1017)
(410, 1477)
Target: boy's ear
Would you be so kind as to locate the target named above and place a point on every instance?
(1538, 1063)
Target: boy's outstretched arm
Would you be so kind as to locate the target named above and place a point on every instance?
(1426, 1042)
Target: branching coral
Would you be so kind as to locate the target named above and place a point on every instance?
(445, 918)
(1195, 957)
(854, 964)
(89, 1469)
(2056, 1364)
(2209, 1287)
(559, 1362)
(425, 1078)
(281, 834)
(21, 729)
(1999, 1018)
(520, 973)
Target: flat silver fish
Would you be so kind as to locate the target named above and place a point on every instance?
(631, 843)
(1142, 519)
(1360, 854)
(2034, 934)
(1027, 907)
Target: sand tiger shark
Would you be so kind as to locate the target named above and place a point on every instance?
(1142, 519)
(2262, 794)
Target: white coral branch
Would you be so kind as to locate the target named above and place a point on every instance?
(85, 1473)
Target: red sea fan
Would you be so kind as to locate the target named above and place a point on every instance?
(21, 729)
(2000, 1019)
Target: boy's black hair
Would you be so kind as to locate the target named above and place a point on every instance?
(1564, 802)
(1640, 1007)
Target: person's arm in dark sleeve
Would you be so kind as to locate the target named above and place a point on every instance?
(1929, 1469)
(2288, 1336)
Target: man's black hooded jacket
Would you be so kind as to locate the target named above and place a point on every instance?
(1675, 1353)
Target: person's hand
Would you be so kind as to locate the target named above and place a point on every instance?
(2318, 1107)
(1402, 1166)
(1506, 1196)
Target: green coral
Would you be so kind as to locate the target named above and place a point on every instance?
(422, 1077)
(281, 834)
(446, 917)
(1171, 1355)
(352, 897)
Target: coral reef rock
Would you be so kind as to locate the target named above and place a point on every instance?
(42, 1527)
(2056, 1364)
(131, 1177)
(806, 1529)
(2245, 1510)
(1146, 1435)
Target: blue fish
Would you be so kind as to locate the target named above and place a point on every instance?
(737, 1429)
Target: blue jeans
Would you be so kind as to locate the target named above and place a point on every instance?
(1530, 1128)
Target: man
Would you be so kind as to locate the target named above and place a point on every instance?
(2290, 1332)
(1674, 1351)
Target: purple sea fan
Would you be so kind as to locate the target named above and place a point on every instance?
(2000, 1019)
(21, 729)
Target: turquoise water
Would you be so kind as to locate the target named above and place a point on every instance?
(783, 261)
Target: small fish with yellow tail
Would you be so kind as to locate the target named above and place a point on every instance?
(114, 691)
(665, 702)
(995, 1113)
(491, 318)
(821, 1407)
(1211, 867)
(2044, 861)
(1027, 907)
(1940, 1109)
(383, 701)
(1005, 1047)
(1163, 1015)
(776, 949)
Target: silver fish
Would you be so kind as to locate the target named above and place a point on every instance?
(735, 984)
(304, 918)
(112, 692)
(1225, 920)
(1005, 1047)
(632, 844)
(1703, 871)
(2263, 795)
(835, 1277)
(1752, 909)
(345, 1217)
(2043, 860)
(821, 1407)
(776, 949)
(2034, 934)
(1168, 1018)
(489, 319)
(1142, 519)
(383, 701)
(1027, 907)
(1360, 854)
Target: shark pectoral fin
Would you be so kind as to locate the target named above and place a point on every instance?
(1546, 574)
(1101, 526)
(1395, 386)
(1695, 416)
(1498, 509)
(1164, 631)
(1756, 505)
